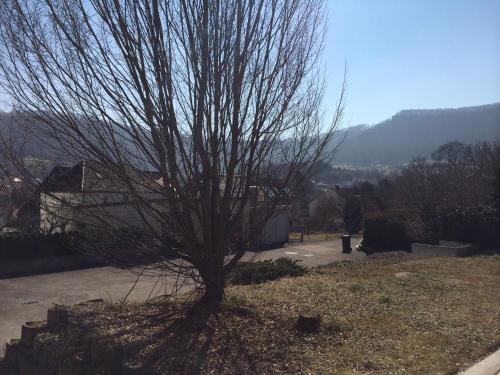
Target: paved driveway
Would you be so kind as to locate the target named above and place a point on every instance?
(113, 284)
(313, 253)
(70, 287)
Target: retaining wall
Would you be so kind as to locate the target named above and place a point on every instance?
(43, 265)
(57, 347)
(445, 248)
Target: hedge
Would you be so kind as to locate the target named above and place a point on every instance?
(478, 224)
(19, 247)
(392, 230)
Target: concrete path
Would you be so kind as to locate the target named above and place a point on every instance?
(488, 366)
(17, 294)
(113, 284)
(313, 254)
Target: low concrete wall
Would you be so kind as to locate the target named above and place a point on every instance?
(41, 350)
(58, 346)
(43, 265)
(444, 249)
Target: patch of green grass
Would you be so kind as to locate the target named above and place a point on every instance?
(386, 300)
(356, 288)
(255, 272)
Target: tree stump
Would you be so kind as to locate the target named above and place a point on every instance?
(309, 322)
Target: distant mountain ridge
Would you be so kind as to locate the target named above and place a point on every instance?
(408, 134)
(416, 133)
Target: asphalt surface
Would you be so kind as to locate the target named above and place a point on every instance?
(25, 299)
(312, 254)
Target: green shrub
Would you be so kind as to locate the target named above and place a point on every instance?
(393, 230)
(21, 247)
(479, 224)
(265, 270)
(386, 300)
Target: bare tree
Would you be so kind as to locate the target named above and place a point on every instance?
(468, 171)
(326, 209)
(459, 175)
(213, 98)
(19, 174)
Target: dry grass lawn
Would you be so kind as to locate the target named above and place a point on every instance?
(385, 316)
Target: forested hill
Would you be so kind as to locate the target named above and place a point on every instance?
(414, 133)
(408, 134)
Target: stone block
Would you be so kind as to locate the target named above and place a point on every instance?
(30, 330)
(55, 316)
(132, 369)
(48, 348)
(12, 348)
(72, 366)
(26, 366)
(89, 340)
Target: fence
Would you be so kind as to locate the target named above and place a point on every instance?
(301, 233)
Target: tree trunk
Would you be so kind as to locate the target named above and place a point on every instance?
(214, 294)
(213, 281)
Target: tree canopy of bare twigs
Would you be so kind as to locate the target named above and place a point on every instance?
(212, 98)
(458, 175)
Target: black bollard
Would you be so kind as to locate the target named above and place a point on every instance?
(346, 243)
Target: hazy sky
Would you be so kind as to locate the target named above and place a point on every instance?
(404, 54)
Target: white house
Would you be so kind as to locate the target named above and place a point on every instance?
(85, 195)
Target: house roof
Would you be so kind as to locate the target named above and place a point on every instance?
(63, 179)
(90, 176)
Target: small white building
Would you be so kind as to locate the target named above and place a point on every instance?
(86, 196)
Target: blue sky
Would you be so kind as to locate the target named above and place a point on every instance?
(404, 54)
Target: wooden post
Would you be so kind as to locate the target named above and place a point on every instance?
(309, 322)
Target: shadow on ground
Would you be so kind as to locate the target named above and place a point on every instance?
(160, 338)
